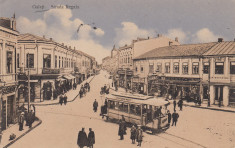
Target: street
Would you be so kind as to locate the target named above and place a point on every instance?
(60, 125)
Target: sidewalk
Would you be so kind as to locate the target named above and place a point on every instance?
(72, 95)
(212, 107)
(14, 129)
(192, 104)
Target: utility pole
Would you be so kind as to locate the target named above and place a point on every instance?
(28, 85)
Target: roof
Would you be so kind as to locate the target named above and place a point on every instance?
(160, 101)
(178, 51)
(29, 36)
(222, 48)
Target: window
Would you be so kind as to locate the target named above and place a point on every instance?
(159, 67)
(46, 61)
(18, 60)
(195, 68)
(132, 109)
(136, 69)
(9, 62)
(142, 68)
(59, 61)
(206, 67)
(55, 61)
(62, 62)
(30, 63)
(176, 67)
(232, 67)
(185, 68)
(150, 68)
(167, 67)
(219, 68)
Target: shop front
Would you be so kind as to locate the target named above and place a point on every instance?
(232, 96)
(8, 106)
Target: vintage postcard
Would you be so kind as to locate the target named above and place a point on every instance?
(117, 74)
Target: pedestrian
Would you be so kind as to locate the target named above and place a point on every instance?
(139, 135)
(61, 99)
(169, 117)
(30, 118)
(174, 103)
(95, 105)
(21, 121)
(65, 99)
(133, 133)
(91, 138)
(122, 129)
(82, 138)
(87, 87)
(180, 104)
(175, 117)
(74, 86)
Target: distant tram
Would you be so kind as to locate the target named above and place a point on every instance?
(147, 111)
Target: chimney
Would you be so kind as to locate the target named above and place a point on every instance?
(159, 35)
(50, 39)
(44, 36)
(220, 39)
(176, 39)
(170, 43)
(148, 37)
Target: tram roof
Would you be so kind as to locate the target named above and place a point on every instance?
(160, 101)
(133, 96)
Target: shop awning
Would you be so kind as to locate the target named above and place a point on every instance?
(71, 76)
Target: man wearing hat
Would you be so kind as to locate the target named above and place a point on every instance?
(139, 135)
(82, 138)
(91, 138)
(21, 121)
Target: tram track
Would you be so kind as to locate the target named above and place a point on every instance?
(179, 140)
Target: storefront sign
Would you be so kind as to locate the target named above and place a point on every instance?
(50, 71)
(121, 72)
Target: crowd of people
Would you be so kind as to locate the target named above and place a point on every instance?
(84, 89)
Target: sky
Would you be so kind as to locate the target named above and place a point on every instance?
(118, 22)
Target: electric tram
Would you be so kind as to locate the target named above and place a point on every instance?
(147, 111)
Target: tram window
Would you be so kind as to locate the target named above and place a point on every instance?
(125, 108)
(132, 109)
(120, 106)
(138, 110)
(144, 109)
(112, 105)
(116, 105)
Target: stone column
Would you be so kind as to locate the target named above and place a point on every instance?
(225, 95)
(212, 94)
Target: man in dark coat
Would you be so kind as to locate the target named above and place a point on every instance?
(174, 103)
(180, 104)
(82, 138)
(95, 105)
(21, 121)
(65, 99)
(175, 117)
(122, 129)
(81, 92)
(169, 117)
(30, 118)
(91, 138)
(133, 134)
(61, 99)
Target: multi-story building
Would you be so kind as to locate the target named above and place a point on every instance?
(52, 66)
(138, 47)
(202, 71)
(8, 80)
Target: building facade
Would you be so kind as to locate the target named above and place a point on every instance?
(203, 71)
(8, 79)
(53, 67)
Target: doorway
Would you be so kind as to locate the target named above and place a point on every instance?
(218, 94)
